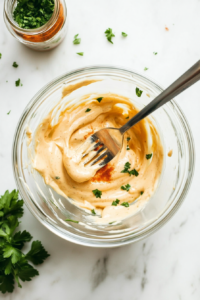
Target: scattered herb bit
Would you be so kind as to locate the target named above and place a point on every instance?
(99, 99)
(8, 112)
(127, 117)
(155, 53)
(88, 109)
(126, 187)
(126, 204)
(138, 92)
(128, 139)
(69, 220)
(127, 147)
(109, 34)
(15, 65)
(97, 193)
(14, 264)
(0, 55)
(148, 156)
(114, 203)
(57, 177)
(76, 40)
(124, 34)
(126, 167)
(145, 69)
(17, 82)
(141, 193)
(111, 222)
(133, 172)
(93, 211)
(33, 14)
(80, 53)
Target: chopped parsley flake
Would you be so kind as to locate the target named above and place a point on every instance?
(99, 99)
(76, 40)
(80, 53)
(88, 109)
(127, 117)
(8, 112)
(126, 204)
(109, 34)
(57, 177)
(15, 65)
(133, 172)
(0, 55)
(74, 221)
(93, 211)
(141, 193)
(126, 187)
(148, 156)
(128, 139)
(124, 34)
(97, 193)
(127, 147)
(138, 92)
(17, 82)
(114, 203)
(155, 53)
(126, 170)
(145, 69)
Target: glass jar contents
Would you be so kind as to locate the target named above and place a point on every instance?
(39, 25)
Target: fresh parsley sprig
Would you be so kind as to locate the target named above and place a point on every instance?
(14, 264)
(109, 34)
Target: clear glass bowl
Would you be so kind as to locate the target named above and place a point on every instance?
(52, 209)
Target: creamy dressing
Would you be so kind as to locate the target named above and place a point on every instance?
(57, 158)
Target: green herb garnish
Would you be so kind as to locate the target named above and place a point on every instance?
(17, 82)
(124, 34)
(88, 109)
(15, 65)
(127, 147)
(126, 204)
(114, 203)
(14, 264)
(133, 172)
(34, 13)
(93, 211)
(127, 117)
(126, 170)
(126, 187)
(97, 193)
(80, 53)
(99, 99)
(128, 139)
(0, 55)
(74, 221)
(145, 69)
(109, 34)
(141, 193)
(155, 53)
(138, 92)
(57, 177)
(76, 40)
(148, 156)
(9, 112)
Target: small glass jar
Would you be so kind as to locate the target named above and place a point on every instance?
(46, 37)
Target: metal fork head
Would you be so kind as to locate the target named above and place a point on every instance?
(102, 147)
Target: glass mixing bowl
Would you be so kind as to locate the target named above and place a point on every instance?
(51, 209)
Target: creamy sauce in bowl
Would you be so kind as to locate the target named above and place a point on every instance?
(116, 190)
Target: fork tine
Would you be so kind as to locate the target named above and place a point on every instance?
(91, 148)
(105, 154)
(92, 155)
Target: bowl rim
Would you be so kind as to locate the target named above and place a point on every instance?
(85, 241)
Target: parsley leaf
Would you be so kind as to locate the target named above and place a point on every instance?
(13, 253)
(141, 193)
(133, 172)
(99, 99)
(37, 254)
(97, 193)
(25, 271)
(80, 53)
(155, 53)
(9, 112)
(148, 156)
(15, 65)
(124, 34)
(57, 177)
(6, 283)
(126, 204)
(74, 221)
(138, 92)
(126, 187)
(93, 211)
(114, 203)
(20, 238)
(145, 69)
(127, 147)
(88, 109)
(17, 82)
(76, 40)
(0, 55)
(109, 34)
(126, 167)
(128, 139)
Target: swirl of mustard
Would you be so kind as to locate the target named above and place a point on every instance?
(58, 161)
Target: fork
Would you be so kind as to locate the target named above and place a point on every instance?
(108, 141)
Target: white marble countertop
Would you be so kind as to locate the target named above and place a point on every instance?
(167, 264)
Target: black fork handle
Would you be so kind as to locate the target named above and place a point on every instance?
(181, 84)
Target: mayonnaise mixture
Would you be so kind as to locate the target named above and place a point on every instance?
(57, 145)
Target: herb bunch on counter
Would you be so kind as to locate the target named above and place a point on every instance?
(34, 13)
(14, 264)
